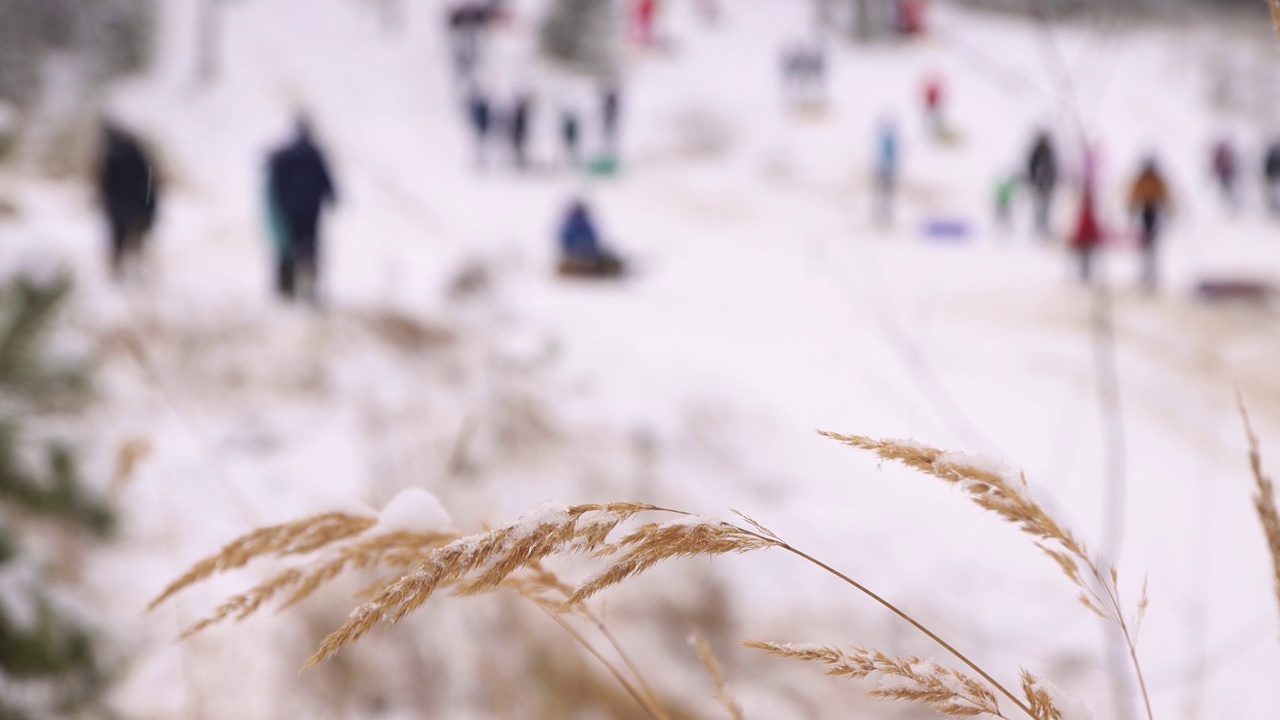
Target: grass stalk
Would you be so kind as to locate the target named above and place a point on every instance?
(649, 704)
(913, 622)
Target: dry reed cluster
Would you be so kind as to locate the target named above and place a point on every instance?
(511, 557)
(994, 488)
(1264, 501)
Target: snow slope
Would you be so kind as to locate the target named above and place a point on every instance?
(768, 304)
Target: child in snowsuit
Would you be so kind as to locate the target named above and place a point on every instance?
(580, 250)
(1149, 202)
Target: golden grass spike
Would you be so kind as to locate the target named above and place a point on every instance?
(717, 678)
(652, 543)
(1264, 499)
(481, 562)
(947, 692)
(1275, 13)
(1039, 699)
(396, 549)
(1008, 497)
(296, 537)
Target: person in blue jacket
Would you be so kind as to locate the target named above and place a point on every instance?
(299, 186)
(886, 170)
(581, 252)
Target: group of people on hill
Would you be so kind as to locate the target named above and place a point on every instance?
(298, 188)
(493, 126)
(1148, 202)
(499, 125)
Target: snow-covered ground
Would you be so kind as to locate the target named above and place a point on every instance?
(767, 304)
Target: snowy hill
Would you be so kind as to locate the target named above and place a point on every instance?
(767, 304)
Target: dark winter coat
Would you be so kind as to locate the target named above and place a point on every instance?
(1224, 161)
(480, 114)
(299, 183)
(578, 236)
(1042, 165)
(518, 123)
(1271, 165)
(127, 182)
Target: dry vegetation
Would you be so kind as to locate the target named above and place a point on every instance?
(511, 558)
(1264, 501)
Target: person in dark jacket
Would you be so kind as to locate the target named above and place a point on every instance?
(610, 114)
(581, 252)
(569, 138)
(129, 192)
(299, 186)
(1226, 170)
(1042, 175)
(480, 115)
(1271, 176)
(518, 130)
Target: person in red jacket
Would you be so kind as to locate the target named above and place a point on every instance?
(933, 100)
(644, 13)
(1087, 236)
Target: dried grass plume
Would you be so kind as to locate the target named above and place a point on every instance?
(295, 538)
(1264, 500)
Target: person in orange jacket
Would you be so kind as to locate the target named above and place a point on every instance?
(1149, 204)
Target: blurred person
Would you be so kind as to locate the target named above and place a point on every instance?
(610, 113)
(480, 116)
(466, 23)
(1271, 176)
(886, 170)
(934, 95)
(911, 16)
(299, 186)
(1042, 175)
(129, 192)
(804, 74)
(581, 252)
(1149, 203)
(1087, 236)
(1226, 169)
(518, 130)
(1005, 192)
(644, 12)
(569, 138)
